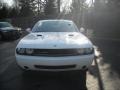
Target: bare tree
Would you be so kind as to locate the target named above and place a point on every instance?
(59, 2)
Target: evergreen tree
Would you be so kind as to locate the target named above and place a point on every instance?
(3, 12)
(50, 7)
(25, 8)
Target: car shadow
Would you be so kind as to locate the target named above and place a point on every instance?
(54, 81)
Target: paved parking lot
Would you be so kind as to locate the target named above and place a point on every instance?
(103, 75)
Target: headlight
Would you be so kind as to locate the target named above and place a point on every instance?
(81, 51)
(24, 51)
(84, 51)
(29, 51)
(89, 50)
(20, 50)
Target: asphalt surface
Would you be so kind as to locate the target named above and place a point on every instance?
(13, 78)
(103, 75)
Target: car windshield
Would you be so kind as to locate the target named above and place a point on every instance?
(55, 26)
(5, 24)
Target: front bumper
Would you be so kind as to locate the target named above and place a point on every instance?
(54, 63)
(8, 35)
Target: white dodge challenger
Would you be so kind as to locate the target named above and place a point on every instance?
(54, 45)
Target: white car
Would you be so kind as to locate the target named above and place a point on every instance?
(54, 45)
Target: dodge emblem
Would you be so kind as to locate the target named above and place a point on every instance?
(55, 45)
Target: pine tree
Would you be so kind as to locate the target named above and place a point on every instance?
(50, 7)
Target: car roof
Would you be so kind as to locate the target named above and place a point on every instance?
(56, 20)
(4, 22)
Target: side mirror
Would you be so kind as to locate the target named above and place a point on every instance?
(82, 30)
(28, 30)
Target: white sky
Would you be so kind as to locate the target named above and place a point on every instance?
(89, 2)
(8, 2)
(65, 5)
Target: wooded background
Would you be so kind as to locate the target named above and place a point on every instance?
(103, 16)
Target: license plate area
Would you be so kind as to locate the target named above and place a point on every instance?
(55, 67)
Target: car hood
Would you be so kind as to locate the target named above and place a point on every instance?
(7, 28)
(55, 40)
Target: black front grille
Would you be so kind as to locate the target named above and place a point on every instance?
(55, 52)
(12, 32)
(55, 67)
